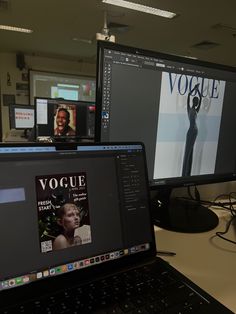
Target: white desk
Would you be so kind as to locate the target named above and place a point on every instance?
(208, 261)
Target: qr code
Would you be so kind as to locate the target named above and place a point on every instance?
(46, 246)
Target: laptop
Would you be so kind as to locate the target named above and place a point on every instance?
(76, 234)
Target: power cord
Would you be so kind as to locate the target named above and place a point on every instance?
(228, 205)
(221, 233)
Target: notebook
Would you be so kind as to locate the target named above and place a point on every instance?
(76, 234)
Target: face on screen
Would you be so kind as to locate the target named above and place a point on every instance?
(63, 123)
(63, 120)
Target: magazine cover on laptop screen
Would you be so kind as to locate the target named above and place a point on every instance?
(62, 202)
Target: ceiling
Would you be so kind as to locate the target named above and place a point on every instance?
(55, 23)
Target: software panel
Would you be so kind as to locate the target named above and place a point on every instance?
(182, 109)
(64, 120)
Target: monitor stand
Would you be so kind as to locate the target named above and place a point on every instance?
(181, 214)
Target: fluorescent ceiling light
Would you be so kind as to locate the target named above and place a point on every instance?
(141, 8)
(15, 29)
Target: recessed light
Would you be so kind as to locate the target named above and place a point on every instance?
(140, 7)
(15, 29)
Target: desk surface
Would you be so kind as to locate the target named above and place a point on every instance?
(206, 259)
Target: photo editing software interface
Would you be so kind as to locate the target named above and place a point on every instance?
(183, 110)
(64, 119)
(74, 209)
(21, 117)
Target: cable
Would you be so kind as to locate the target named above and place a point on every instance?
(233, 211)
(197, 194)
(189, 193)
(221, 233)
(228, 205)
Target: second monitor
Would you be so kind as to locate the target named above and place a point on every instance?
(183, 110)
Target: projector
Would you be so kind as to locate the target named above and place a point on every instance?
(100, 36)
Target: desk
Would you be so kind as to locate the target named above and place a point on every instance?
(208, 261)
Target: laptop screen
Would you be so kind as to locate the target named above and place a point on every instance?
(66, 210)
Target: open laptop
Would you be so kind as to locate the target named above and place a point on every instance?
(76, 234)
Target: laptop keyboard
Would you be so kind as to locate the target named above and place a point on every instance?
(145, 290)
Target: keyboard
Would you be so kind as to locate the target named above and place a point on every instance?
(144, 290)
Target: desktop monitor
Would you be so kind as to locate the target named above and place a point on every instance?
(21, 117)
(64, 120)
(183, 110)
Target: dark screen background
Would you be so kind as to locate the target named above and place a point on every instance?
(20, 221)
(134, 106)
(19, 235)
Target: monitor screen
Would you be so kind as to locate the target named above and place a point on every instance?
(182, 109)
(88, 182)
(64, 119)
(21, 117)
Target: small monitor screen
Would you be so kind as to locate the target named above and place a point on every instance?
(64, 119)
(21, 117)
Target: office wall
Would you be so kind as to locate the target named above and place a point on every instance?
(13, 80)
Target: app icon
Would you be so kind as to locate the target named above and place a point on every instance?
(117, 254)
(11, 282)
(64, 268)
(87, 262)
(46, 273)
(133, 249)
(58, 269)
(5, 284)
(39, 275)
(19, 280)
(25, 279)
(70, 266)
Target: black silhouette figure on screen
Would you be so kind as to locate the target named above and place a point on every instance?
(192, 110)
